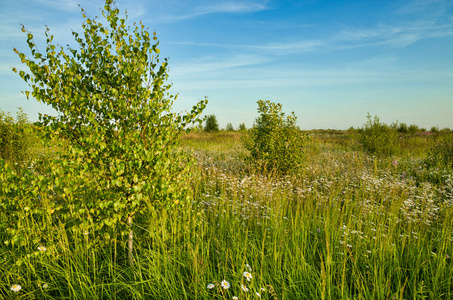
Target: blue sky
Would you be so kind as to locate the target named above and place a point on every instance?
(331, 62)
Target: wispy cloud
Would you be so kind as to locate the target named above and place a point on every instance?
(427, 7)
(184, 12)
(207, 64)
(276, 25)
(230, 7)
(67, 5)
(398, 36)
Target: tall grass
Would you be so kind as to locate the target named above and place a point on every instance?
(347, 226)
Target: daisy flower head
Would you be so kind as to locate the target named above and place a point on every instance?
(15, 288)
(235, 298)
(258, 294)
(248, 267)
(225, 284)
(45, 286)
(42, 248)
(244, 288)
(86, 232)
(210, 286)
(247, 275)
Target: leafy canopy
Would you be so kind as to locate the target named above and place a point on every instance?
(119, 136)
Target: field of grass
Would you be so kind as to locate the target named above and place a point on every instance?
(347, 225)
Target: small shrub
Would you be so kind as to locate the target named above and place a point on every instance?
(402, 128)
(441, 155)
(211, 124)
(413, 129)
(434, 129)
(242, 127)
(275, 141)
(16, 137)
(229, 127)
(378, 138)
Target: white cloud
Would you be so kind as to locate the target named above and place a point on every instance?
(283, 48)
(182, 11)
(204, 65)
(427, 7)
(230, 7)
(399, 36)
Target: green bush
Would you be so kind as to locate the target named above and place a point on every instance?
(211, 124)
(275, 141)
(413, 129)
(402, 128)
(441, 155)
(242, 127)
(16, 137)
(229, 127)
(378, 138)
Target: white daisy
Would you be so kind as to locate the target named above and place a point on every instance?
(15, 288)
(210, 286)
(244, 288)
(225, 284)
(42, 248)
(247, 275)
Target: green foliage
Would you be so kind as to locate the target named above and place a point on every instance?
(211, 124)
(441, 155)
(402, 128)
(378, 138)
(16, 137)
(413, 129)
(275, 140)
(242, 127)
(229, 127)
(119, 139)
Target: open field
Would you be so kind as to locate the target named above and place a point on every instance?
(346, 225)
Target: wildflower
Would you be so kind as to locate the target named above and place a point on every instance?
(225, 284)
(448, 256)
(86, 232)
(395, 163)
(42, 248)
(210, 286)
(45, 286)
(235, 298)
(247, 275)
(15, 288)
(258, 294)
(244, 288)
(263, 289)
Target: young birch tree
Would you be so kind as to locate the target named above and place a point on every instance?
(114, 116)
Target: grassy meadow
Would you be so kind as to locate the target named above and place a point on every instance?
(346, 225)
